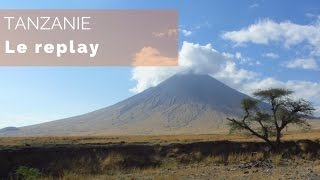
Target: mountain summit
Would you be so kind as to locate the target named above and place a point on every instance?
(184, 103)
(202, 89)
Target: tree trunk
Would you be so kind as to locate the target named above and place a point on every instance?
(278, 140)
(270, 144)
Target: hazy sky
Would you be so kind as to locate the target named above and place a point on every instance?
(246, 44)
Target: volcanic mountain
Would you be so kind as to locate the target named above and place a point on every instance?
(184, 103)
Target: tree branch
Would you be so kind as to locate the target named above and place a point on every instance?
(245, 126)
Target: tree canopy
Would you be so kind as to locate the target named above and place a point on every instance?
(272, 111)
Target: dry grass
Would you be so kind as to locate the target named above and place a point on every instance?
(182, 138)
(72, 176)
(169, 163)
(245, 157)
(172, 170)
(276, 159)
(112, 162)
(234, 158)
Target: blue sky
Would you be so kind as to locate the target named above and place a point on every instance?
(30, 95)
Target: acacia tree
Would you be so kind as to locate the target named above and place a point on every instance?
(268, 120)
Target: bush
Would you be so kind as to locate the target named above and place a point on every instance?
(28, 173)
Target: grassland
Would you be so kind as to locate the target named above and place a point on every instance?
(146, 139)
(187, 156)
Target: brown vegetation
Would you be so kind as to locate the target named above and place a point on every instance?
(156, 157)
(145, 139)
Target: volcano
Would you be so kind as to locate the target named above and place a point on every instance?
(184, 103)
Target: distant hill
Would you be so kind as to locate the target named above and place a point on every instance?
(9, 130)
(184, 103)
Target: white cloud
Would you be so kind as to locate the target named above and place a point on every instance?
(242, 59)
(303, 89)
(271, 55)
(317, 111)
(238, 55)
(186, 32)
(255, 5)
(308, 63)
(190, 30)
(233, 76)
(168, 33)
(149, 56)
(310, 15)
(150, 76)
(204, 59)
(193, 58)
(228, 55)
(205, 24)
(313, 16)
(288, 33)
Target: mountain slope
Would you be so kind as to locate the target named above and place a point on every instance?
(184, 103)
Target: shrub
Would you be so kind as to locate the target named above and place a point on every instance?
(28, 173)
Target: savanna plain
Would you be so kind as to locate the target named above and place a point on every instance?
(183, 156)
